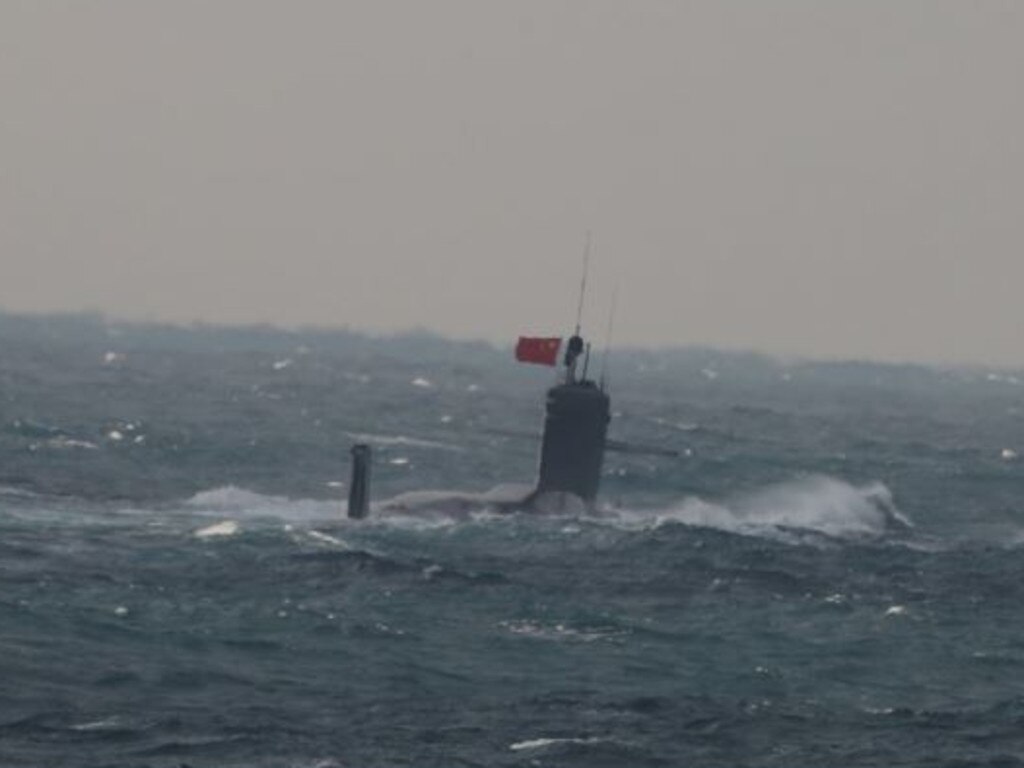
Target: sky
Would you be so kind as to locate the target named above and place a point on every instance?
(822, 179)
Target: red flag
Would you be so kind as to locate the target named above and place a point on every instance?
(543, 351)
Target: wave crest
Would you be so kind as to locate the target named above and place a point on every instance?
(232, 501)
(818, 504)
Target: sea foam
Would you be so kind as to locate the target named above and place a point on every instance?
(818, 504)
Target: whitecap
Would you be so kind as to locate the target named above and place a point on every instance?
(404, 440)
(1003, 379)
(541, 743)
(233, 501)
(431, 571)
(681, 426)
(818, 504)
(561, 632)
(326, 538)
(228, 497)
(96, 725)
(226, 528)
(67, 442)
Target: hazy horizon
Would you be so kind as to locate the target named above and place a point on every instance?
(823, 181)
(117, 325)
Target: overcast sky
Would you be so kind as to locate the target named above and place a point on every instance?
(841, 179)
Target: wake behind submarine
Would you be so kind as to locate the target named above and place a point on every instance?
(572, 449)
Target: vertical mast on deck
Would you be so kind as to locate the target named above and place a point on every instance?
(608, 340)
(575, 346)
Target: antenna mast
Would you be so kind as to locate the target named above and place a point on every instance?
(608, 338)
(575, 346)
(583, 283)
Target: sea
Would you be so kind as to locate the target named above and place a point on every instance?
(830, 572)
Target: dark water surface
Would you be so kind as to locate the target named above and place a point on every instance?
(831, 574)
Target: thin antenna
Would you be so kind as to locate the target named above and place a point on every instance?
(608, 338)
(583, 283)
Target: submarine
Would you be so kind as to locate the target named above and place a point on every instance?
(573, 444)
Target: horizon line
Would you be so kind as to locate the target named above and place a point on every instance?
(198, 324)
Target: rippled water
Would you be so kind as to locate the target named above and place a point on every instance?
(831, 574)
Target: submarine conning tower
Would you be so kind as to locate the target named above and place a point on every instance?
(575, 429)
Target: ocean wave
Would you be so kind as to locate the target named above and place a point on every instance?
(15, 492)
(402, 440)
(820, 505)
(563, 632)
(789, 511)
(232, 501)
(550, 742)
(225, 528)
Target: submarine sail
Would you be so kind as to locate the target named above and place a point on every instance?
(572, 449)
(576, 418)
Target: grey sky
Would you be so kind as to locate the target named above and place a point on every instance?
(821, 178)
